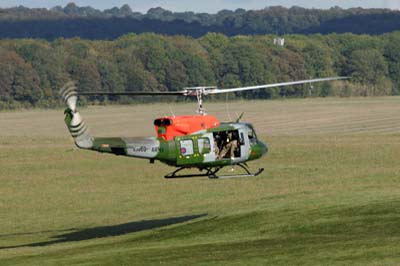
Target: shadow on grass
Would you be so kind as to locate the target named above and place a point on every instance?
(107, 231)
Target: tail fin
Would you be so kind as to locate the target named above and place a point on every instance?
(76, 126)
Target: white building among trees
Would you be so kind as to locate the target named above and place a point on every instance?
(279, 41)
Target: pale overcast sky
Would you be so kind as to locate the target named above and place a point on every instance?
(210, 6)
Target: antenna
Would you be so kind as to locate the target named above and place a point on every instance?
(172, 112)
(227, 108)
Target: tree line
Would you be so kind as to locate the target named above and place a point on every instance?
(32, 71)
(89, 23)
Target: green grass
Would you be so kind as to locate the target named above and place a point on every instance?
(325, 198)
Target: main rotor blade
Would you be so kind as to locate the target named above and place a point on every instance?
(137, 93)
(196, 91)
(283, 84)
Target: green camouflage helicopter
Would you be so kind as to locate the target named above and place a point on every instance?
(196, 141)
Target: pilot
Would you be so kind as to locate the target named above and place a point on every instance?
(230, 146)
(216, 149)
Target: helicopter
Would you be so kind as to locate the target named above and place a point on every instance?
(197, 141)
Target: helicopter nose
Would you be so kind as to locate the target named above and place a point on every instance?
(264, 148)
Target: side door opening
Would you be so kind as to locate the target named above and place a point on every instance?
(227, 144)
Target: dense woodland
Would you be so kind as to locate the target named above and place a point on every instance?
(32, 71)
(90, 23)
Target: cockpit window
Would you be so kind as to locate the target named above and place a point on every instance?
(252, 136)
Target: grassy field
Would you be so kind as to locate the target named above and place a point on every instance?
(330, 194)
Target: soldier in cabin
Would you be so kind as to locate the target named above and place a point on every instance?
(229, 146)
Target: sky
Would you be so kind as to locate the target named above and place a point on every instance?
(209, 6)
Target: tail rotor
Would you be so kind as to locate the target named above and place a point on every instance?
(69, 95)
(76, 126)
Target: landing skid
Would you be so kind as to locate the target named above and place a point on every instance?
(212, 173)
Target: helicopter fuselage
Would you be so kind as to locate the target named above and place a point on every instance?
(227, 144)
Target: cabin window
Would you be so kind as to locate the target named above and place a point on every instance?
(186, 147)
(204, 145)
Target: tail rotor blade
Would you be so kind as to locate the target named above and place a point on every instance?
(69, 94)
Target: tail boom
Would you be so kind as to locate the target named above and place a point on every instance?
(140, 147)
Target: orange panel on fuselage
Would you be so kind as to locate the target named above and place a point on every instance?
(171, 126)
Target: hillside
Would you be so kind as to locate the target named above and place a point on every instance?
(90, 23)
